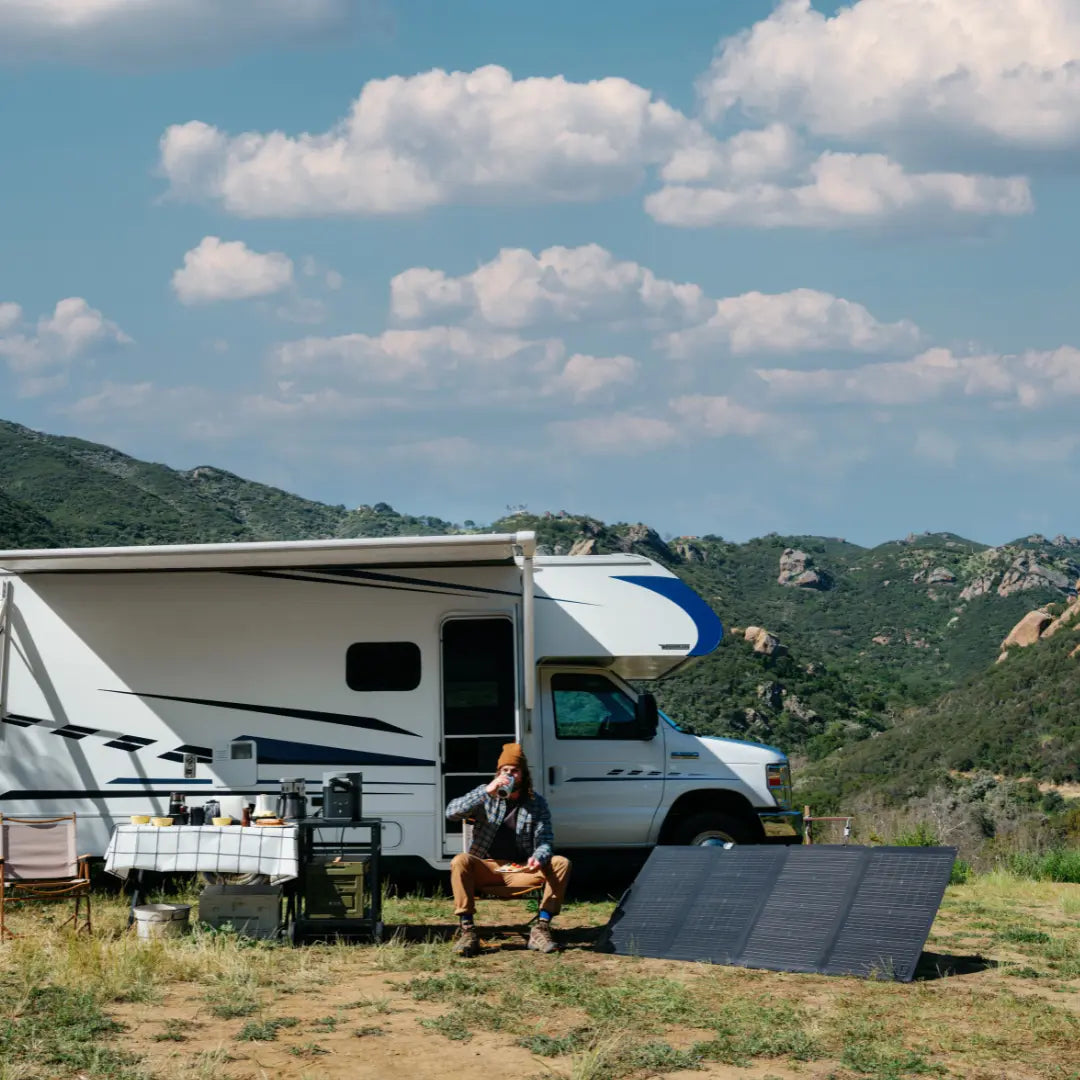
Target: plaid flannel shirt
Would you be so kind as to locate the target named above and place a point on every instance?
(533, 833)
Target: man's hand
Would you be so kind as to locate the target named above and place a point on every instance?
(500, 781)
(533, 863)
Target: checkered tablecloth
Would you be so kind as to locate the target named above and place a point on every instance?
(228, 849)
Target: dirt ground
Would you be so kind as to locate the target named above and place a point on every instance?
(361, 1022)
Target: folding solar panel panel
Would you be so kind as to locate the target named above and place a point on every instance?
(836, 910)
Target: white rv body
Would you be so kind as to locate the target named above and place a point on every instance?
(410, 660)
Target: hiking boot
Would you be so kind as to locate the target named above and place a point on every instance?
(541, 938)
(468, 942)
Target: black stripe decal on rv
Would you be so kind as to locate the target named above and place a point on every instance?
(368, 722)
(367, 579)
(23, 721)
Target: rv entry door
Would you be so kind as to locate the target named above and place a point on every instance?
(479, 707)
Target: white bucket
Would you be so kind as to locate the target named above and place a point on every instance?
(232, 806)
(161, 920)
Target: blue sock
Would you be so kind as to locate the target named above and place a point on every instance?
(545, 916)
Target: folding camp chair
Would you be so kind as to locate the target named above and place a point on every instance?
(502, 892)
(38, 862)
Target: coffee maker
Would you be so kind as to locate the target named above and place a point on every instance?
(292, 802)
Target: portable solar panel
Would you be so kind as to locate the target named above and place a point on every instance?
(835, 910)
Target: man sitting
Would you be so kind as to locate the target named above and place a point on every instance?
(511, 846)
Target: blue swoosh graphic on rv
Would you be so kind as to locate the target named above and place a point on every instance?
(709, 627)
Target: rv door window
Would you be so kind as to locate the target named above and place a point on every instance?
(382, 665)
(590, 706)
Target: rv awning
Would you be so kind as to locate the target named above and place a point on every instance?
(480, 549)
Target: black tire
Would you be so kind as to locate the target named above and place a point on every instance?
(713, 828)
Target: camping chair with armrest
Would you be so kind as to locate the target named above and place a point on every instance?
(38, 862)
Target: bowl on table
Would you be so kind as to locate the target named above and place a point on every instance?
(221, 821)
(140, 819)
(161, 822)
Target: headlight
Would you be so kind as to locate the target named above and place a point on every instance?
(778, 779)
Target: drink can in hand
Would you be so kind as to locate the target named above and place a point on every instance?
(506, 790)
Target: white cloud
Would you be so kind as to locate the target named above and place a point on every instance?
(463, 365)
(422, 359)
(229, 270)
(614, 433)
(1005, 70)
(585, 377)
(719, 416)
(40, 358)
(796, 321)
(104, 30)
(517, 289)
(414, 142)
(843, 191)
(588, 284)
(745, 157)
(1033, 379)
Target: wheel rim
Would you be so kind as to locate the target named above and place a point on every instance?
(712, 838)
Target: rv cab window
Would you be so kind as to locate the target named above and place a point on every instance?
(382, 665)
(590, 706)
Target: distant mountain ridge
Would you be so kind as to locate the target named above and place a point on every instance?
(863, 634)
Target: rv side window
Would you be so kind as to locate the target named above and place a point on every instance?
(382, 665)
(591, 707)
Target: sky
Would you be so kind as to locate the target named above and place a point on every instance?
(722, 268)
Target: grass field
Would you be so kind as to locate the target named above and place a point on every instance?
(997, 995)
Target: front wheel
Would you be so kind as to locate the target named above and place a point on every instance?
(713, 829)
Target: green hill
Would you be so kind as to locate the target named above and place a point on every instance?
(1021, 718)
(863, 636)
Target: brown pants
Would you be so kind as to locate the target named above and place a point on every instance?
(470, 875)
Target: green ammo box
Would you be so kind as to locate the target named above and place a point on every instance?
(335, 890)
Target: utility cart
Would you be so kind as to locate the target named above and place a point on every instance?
(338, 890)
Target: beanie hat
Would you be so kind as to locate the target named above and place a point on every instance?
(513, 755)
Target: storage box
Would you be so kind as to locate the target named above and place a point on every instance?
(335, 890)
(252, 910)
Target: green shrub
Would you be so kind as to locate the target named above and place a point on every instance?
(1059, 864)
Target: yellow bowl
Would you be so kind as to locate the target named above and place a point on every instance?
(222, 820)
(161, 822)
(140, 819)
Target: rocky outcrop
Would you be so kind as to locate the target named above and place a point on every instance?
(771, 694)
(764, 643)
(584, 546)
(797, 571)
(1028, 573)
(798, 709)
(1006, 571)
(1028, 630)
(687, 550)
(979, 586)
(1039, 624)
(940, 575)
(641, 536)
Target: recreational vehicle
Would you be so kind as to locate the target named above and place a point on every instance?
(128, 673)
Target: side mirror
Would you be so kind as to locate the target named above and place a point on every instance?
(647, 716)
